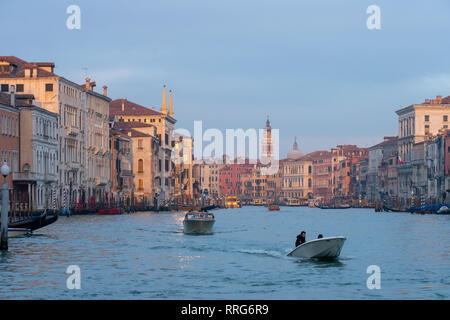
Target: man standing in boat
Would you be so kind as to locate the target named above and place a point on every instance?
(301, 238)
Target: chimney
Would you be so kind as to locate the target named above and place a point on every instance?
(88, 84)
(439, 99)
(35, 71)
(105, 91)
(427, 101)
(13, 95)
(27, 72)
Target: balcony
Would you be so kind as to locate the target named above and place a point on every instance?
(101, 181)
(33, 176)
(71, 131)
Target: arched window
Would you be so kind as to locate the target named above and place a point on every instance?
(140, 165)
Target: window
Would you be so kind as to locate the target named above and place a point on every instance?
(427, 129)
(140, 165)
(5, 88)
(141, 184)
(427, 118)
(445, 118)
(445, 126)
(49, 87)
(19, 88)
(140, 144)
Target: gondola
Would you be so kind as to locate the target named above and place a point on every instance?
(34, 223)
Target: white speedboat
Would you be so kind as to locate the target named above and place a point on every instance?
(323, 248)
(198, 222)
(17, 232)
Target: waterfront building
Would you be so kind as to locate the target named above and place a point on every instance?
(273, 186)
(33, 161)
(376, 181)
(361, 169)
(343, 174)
(208, 177)
(122, 176)
(230, 175)
(322, 184)
(68, 100)
(417, 123)
(183, 169)
(147, 164)
(9, 135)
(97, 179)
(297, 174)
(163, 121)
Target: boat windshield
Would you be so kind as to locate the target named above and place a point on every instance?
(198, 215)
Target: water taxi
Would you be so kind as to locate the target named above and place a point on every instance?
(293, 202)
(232, 202)
(259, 202)
(274, 207)
(198, 222)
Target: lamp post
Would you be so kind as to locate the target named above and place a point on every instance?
(4, 217)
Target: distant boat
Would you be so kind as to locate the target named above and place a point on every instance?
(323, 248)
(232, 202)
(112, 211)
(17, 232)
(198, 222)
(443, 210)
(344, 206)
(274, 207)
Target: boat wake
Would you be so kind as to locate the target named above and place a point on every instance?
(261, 252)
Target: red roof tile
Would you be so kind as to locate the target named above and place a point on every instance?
(20, 66)
(130, 109)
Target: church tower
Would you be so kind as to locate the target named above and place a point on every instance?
(267, 145)
(170, 104)
(163, 106)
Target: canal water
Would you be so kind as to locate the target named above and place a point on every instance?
(147, 256)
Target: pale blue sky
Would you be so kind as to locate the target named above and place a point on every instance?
(312, 66)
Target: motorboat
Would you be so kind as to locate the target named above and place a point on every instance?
(110, 211)
(323, 248)
(17, 232)
(198, 222)
(274, 207)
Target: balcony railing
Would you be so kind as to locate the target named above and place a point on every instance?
(33, 176)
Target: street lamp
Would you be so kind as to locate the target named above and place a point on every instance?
(4, 215)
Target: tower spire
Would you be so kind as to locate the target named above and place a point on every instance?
(170, 104)
(163, 106)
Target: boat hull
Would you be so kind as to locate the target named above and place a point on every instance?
(324, 248)
(17, 232)
(34, 223)
(198, 226)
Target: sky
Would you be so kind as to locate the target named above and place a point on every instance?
(313, 67)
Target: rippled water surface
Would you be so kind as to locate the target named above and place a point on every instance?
(147, 256)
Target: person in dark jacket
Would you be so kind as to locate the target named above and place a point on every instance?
(301, 238)
(320, 236)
